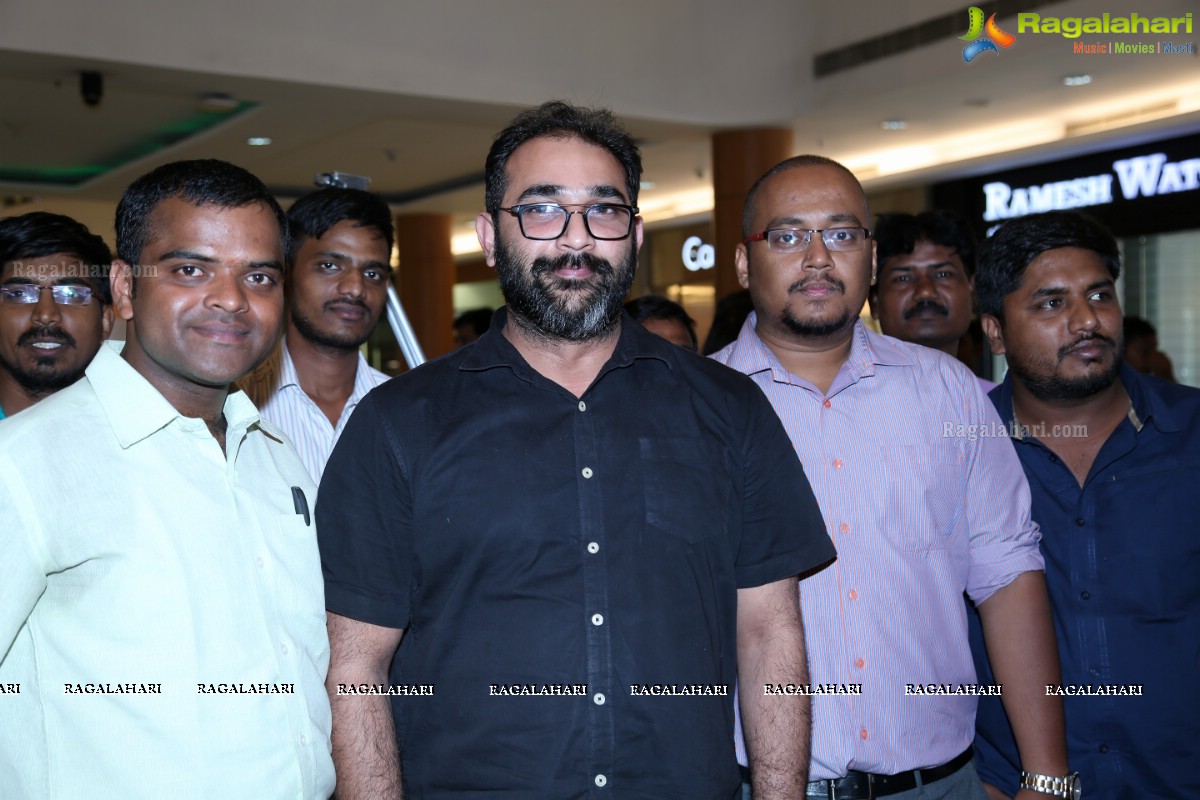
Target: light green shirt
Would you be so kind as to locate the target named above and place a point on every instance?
(162, 616)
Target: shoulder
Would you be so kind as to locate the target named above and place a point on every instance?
(263, 381)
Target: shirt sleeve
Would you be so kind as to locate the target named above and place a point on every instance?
(783, 532)
(364, 523)
(26, 560)
(1003, 537)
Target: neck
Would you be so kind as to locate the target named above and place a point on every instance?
(190, 399)
(324, 372)
(572, 365)
(817, 360)
(1099, 412)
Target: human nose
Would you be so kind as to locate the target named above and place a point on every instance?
(46, 310)
(816, 254)
(351, 283)
(1083, 317)
(576, 236)
(923, 287)
(228, 293)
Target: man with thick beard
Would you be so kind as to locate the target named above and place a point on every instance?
(923, 498)
(336, 285)
(55, 306)
(1113, 461)
(568, 538)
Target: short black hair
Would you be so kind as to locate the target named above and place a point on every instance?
(200, 182)
(1004, 257)
(480, 319)
(1138, 328)
(898, 234)
(40, 233)
(559, 120)
(315, 213)
(750, 208)
(655, 306)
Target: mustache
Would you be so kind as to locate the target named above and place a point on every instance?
(801, 285)
(599, 266)
(926, 305)
(347, 301)
(46, 332)
(1095, 337)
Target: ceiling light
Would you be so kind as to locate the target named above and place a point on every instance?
(218, 102)
(893, 124)
(1077, 80)
(258, 141)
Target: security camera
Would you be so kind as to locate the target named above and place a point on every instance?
(91, 87)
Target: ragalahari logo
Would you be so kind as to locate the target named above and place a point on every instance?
(993, 35)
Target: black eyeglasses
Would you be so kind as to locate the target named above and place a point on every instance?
(543, 221)
(796, 240)
(28, 293)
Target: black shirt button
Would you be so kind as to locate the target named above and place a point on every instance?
(1103, 748)
(1086, 595)
(1080, 521)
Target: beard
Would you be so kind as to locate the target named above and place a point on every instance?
(1042, 380)
(47, 375)
(309, 330)
(567, 309)
(817, 328)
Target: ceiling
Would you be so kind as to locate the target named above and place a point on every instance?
(425, 153)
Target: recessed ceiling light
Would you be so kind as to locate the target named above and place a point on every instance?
(1077, 80)
(258, 141)
(893, 124)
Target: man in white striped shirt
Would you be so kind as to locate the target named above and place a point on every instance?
(337, 275)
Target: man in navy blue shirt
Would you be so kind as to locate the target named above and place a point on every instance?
(1113, 461)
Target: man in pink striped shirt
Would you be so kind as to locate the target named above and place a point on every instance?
(922, 496)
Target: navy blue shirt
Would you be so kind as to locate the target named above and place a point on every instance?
(1123, 571)
(534, 541)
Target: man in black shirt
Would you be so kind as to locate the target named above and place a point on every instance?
(568, 539)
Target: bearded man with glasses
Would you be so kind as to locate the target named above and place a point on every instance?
(924, 499)
(55, 306)
(573, 532)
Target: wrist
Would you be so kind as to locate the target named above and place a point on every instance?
(1063, 786)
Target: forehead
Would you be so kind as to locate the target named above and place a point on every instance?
(175, 222)
(347, 235)
(1064, 267)
(813, 195)
(46, 270)
(925, 253)
(570, 163)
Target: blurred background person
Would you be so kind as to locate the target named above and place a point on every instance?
(666, 318)
(470, 325)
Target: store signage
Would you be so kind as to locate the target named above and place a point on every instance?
(1139, 176)
(697, 255)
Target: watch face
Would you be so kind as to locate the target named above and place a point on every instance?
(1073, 786)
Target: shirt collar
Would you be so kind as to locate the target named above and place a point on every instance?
(288, 377)
(492, 349)
(135, 409)
(751, 355)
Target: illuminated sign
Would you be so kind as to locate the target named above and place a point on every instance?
(697, 255)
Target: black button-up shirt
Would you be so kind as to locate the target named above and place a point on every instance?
(576, 548)
(1122, 553)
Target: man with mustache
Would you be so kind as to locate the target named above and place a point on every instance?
(922, 505)
(1113, 461)
(338, 269)
(923, 292)
(568, 538)
(55, 306)
(160, 606)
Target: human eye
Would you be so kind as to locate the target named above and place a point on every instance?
(189, 271)
(375, 275)
(262, 279)
(541, 211)
(786, 239)
(605, 210)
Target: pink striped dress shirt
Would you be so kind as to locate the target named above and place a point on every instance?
(924, 499)
(275, 389)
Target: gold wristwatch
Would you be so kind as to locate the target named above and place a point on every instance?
(1066, 788)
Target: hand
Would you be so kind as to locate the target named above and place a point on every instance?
(1027, 794)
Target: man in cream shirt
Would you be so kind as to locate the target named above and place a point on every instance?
(161, 611)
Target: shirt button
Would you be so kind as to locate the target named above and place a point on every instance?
(261, 564)
(860, 663)
(1080, 521)
(593, 548)
(303, 740)
(863, 734)
(837, 463)
(1086, 595)
(582, 406)
(283, 648)
(827, 404)
(1053, 458)
(1103, 748)
(599, 698)
(587, 472)
(601, 780)
(844, 527)
(597, 619)
(854, 594)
